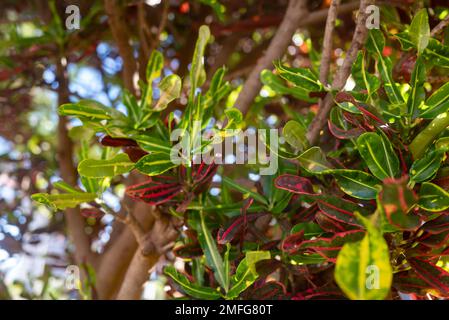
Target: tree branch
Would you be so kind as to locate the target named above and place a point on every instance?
(120, 33)
(440, 26)
(151, 246)
(327, 41)
(342, 74)
(296, 10)
(75, 222)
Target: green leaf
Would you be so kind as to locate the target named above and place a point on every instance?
(63, 201)
(246, 273)
(213, 257)
(435, 53)
(433, 198)
(300, 77)
(357, 184)
(276, 84)
(219, 9)
(154, 66)
(378, 154)
(420, 31)
(362, 78)
(64, 186)
(134, 111)
(425, 168)
(363, 269)
(189, 288)
(233, 185)
(170, 88)
(437, 103)
(197, 73)
(235, 117)
(89, 110)
(375, 44)
(310, 229)
(151, 144)
(417, 94)
(295, 135)
(314, 161)
(155, 164)
(91, 168)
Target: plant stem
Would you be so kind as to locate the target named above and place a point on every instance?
(428, 135)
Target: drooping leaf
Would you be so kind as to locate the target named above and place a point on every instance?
(189, 288)
(63, 201)
(155, 164)
(363, 269)
(425, 168)
(420, 31)
(378, 154)
(92, 168)
(433, 198)
(170, 89)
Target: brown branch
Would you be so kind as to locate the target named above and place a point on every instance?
(342, 74)
(296, 10)
(75, 222)
(327, 41)
(120, 33)
(440, 26)
(116, 260)
(154, 243)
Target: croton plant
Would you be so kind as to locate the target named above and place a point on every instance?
(364, 216)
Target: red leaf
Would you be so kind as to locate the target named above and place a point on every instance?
(108, 141)
(134, 153)
(295, 184)
(188, 251)
(271, 290)
(154, 193)
(235, 227)
(436, 277)
(438, 225)
(342, 133)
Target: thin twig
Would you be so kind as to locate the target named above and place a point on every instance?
(342, 74)
(440, 26)
(327, 41)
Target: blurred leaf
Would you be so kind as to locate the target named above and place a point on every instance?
(91, 168)
(420, 31)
